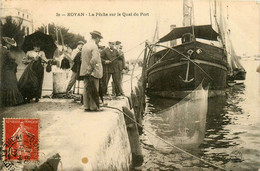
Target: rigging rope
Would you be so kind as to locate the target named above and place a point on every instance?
(134, 47)
(172, 145)
(134, 69)
(127, 80)
(186, 58)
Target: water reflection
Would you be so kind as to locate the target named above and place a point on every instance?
(182, 124)
(231, 136)
(183, 127)
(224, 130)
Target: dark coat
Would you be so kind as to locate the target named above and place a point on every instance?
(113, 55)
(76, 66)
(76, 63)
(121, 61)
(9, 93)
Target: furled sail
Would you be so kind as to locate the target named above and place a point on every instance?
(221, 24)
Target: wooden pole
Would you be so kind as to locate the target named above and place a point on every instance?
(132, 131)
(47, 29)
(57, 36)
(61, 37)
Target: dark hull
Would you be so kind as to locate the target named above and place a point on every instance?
(167, 78)
(238, 74)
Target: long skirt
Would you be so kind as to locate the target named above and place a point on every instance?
(10, 94)
(30, 83)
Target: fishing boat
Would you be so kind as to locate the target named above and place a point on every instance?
(236, 70)
(177, 70)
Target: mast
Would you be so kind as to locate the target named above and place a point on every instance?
(188, 14)
(233, 58)
(220, 23)
(173, 42)
(156, 33)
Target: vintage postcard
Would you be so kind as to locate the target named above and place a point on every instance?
(129, 85)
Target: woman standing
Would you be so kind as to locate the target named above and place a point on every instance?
(30, 83)
(9, 93)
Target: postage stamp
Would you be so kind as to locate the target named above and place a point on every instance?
(21, 139)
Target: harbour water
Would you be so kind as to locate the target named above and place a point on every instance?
(232, 135)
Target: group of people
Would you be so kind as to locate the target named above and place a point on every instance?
(113, 64)
(92, 63)
(29, 86)
(95, 65)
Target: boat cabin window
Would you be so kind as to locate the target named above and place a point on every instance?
(187, 37)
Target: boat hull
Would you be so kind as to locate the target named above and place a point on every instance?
(175, 76)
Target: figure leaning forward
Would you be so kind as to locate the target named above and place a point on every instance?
(76, 60)
(91, 70)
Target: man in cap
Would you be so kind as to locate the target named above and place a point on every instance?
(91, 70)
(121, 63)
(110, 63)
(76, 64)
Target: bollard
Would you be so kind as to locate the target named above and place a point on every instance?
(142, 89)
(135, 107)
(133, 136)
(139, 109)
(142, 101)
(134, 104)
(138, 95)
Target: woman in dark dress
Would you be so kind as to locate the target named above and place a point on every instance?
(9, 93)
(30, 83)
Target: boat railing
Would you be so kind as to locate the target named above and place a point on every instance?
(150, 46)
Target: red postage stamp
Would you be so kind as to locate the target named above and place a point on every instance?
(21, 139)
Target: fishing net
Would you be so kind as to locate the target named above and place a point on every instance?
(182, 124)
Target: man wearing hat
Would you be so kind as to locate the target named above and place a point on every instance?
(91, 70)
(76, 62)
(110, 58)
(121, 64)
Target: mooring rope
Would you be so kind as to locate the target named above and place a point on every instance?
(209, 163)
(134, 69)
(127, 80)
(133, 47)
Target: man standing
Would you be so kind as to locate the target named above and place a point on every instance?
(75, 65)
(91, 70)
(121, 63)
(110, 62)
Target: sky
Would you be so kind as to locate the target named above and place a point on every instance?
(132, 30)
